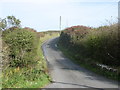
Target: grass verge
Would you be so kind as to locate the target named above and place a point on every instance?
(31, 76)
(97, 70)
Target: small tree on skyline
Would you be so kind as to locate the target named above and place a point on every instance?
(8, 22)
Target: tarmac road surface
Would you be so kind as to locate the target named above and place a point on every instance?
(66, 74)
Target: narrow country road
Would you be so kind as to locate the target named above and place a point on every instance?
(66, 74)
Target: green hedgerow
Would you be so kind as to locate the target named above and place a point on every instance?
(22, 46)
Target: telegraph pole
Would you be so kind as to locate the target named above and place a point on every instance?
(66, 23)
(60, 23)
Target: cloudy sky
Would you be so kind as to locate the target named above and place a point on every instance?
(44, 15)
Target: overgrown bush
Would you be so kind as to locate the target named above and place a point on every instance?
(23, 62)
(91, 47)
(22, 48)
(98, 45)
(102, 44)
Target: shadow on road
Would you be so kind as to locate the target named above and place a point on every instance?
(80, 85)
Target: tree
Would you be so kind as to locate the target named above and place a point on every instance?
(3, 24)
(8, 22)
(12, 21)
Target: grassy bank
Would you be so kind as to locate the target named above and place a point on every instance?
(90, 47)
(28, 70)
(98, 70)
